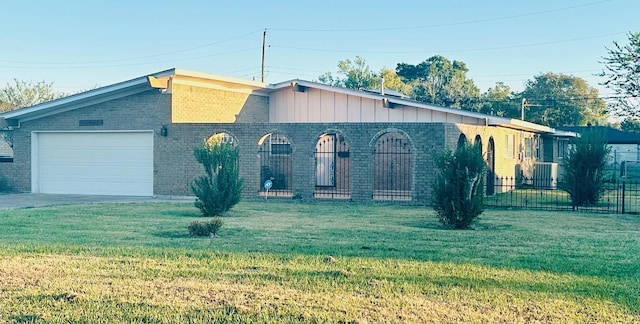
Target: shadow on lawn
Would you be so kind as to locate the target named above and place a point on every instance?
(172, 234)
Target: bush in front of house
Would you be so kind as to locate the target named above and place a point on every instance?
(205, 228)
(584, 168)
(458, 190)
(219, 189)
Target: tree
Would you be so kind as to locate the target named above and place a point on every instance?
(458, 191)
(630, 125)
(219, 189)
(393, 82)
(356, 75)
(500, 101)
(23, 94)
(441, 82)
(584, 168)
(562, 100)
(623, 73)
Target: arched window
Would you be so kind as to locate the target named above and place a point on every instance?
(332, 167)
(393, 173)
(275, 164)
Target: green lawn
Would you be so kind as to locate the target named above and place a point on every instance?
(287, 261)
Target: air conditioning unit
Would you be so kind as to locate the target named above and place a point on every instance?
(545, 175)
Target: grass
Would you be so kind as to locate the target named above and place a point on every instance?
(291, 262)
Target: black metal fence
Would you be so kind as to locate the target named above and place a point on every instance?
(620, 196)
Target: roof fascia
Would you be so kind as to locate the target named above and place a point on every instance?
(90, 97)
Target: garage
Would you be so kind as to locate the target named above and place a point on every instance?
(95, 163)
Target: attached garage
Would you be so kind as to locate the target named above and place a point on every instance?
(96, 163)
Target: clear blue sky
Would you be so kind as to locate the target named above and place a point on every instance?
(82, 44)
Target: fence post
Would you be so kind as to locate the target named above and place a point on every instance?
(573, 195)
(623, 194)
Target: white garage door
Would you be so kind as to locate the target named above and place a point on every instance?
(95, 163)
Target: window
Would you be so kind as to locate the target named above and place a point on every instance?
(509, 147)
(562, 148)
(527, 147)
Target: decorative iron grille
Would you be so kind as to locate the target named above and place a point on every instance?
(392, 178)
(332, 167)
(275, 165)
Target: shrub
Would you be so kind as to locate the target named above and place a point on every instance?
(458, 191)
(208, 228)
(584, 168)
(219, 189)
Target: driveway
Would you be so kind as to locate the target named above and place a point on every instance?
(28, 200)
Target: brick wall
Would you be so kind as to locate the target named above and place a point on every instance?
(145, 111)
(193, 104)
(173, 176)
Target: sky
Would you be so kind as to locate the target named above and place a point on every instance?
(80, 45)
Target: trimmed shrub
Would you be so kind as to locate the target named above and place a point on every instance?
(458, 191)
(219, 189)
(208, 228)
(584, 168)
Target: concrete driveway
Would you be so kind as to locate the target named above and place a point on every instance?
(28, 200)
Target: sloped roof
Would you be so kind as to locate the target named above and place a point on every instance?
(144, 83)
(613, 136)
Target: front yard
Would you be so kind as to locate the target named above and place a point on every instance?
(283, 261)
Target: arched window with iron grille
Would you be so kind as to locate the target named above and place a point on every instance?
(393, 172)
(275, 164)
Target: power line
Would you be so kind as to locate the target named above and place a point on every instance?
(441, 25)
(133, 58)
(447, 51)
(130, 64)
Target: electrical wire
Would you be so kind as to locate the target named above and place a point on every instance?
(342, 30)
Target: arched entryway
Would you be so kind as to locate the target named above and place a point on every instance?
(462, 140)
(478, 143)
(392, 165)
(275, 164)
(491, 165)
(333, 179)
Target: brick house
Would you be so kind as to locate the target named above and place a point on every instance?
(313, 141)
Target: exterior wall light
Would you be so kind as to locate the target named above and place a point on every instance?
(164, 131)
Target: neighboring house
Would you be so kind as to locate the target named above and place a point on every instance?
(311, 140)
(625, 146)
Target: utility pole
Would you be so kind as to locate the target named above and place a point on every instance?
(264, 43)
(525, 104)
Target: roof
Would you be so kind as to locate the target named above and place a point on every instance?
(156, 80)
(613, 136)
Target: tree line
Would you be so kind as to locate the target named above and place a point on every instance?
(552, 99)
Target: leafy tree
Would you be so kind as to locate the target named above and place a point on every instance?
(500, 101)
(584, 168)
(23, 94)
(393, 82)
(623, 73)
(458, 191)
(630, 125)
(562, 100)
(441, 82)
(356, 75)
(219, 189)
